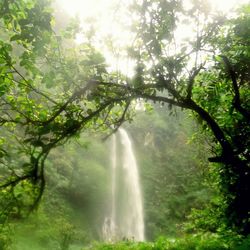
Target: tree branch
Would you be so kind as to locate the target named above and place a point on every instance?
(119, 122)
(228, 152)
(236, 100)
(191, 79)
(31, 87)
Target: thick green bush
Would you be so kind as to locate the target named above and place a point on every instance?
(192, 242)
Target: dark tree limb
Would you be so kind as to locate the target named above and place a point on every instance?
(119, 122)
(31, 87)
(76, 95)
(236, 100)
(192, 79)
(218, 133)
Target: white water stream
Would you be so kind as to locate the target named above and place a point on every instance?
(126, 216)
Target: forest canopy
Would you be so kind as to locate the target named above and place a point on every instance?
(52, 90)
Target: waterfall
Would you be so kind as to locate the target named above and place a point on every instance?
(126, 216)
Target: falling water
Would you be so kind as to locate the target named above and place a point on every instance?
(126, 217)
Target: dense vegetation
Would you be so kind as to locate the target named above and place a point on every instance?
(209, 242)
(77, 196)
(53, 92)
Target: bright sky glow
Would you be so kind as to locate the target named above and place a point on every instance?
(86, 8)
(226, 5)
(100, 8)
(106, 20)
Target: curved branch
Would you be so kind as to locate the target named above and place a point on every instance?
(120, 121)
(78, 93)
(236, 100)
(228, 153)
(42, 182)
(31, 87)
(14, 182)
(191, 79)
(161, 99)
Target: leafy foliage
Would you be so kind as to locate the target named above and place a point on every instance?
(52, 90)
(49, 93)
(206, 73)
(199, 242)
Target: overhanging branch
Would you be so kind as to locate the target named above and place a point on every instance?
(236, 100)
